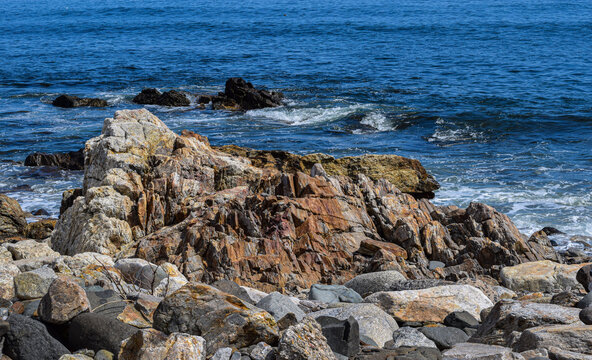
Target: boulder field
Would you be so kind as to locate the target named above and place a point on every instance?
(176, 249)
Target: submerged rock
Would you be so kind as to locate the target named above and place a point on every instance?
(248, 97)
(152, 96)
(70, 101)
(73, 160)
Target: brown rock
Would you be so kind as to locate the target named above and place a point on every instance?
(152, 344)
(41, 229)
(64, 300)
(12, 218)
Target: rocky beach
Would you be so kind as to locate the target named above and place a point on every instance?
(177, 249)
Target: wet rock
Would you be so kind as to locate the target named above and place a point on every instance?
(576, 338)
(72, 160)
(41, 229)
(64, 300)
(586, 315)
(70, 101)
(444, 337)
(97, 331)
(152, 344)
(33, 284)
(28, 339)
(432, 304)
(304, 341)
(30, 249)
(333, 293)
(461, 320)
(220, 318)
(584, 277)
(510, 316)
(543, 276)
(472, 351)
(366, 284)
(152, 96)
(409, 337)
(248, 97)
(12, 217)
(375, 326)
(279, 305)
(343, 336)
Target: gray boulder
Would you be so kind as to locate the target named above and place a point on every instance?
(366, 284)
(33, 284)
(470, 351)
(409, 337)
(280, 305)
(574, 337)
(461, 320)
(28, 339)
(444, 337)
(333, 294)
(376, 326)
(233, 288)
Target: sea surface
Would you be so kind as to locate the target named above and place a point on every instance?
(494, 97)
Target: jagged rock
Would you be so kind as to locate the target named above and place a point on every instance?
(343, 336)
(33, 284)
(147, 96)
(72, 160)
(12, 217)
(444, 337)
(97, 331)
(366, 284)
(29, 249)
(470, 351)
(376, 327)
(279, 305)
(263, 351)
(573, 337)
(304, 341)
(409, 337)
(64, 300)
(543, 276)
(152, 344)
(432, 304)
(220, 318)
(248, 97)
(69, 101)
(152, 96)
(41, 229)
(509, 316)
(28, 339)
(333, 293)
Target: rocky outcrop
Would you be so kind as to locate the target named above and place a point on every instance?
(247, 97)
(73, 160)
(12, 218)
(70, 101)
(406, 174)
(163, 197)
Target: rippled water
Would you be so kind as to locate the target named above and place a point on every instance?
(493, 96)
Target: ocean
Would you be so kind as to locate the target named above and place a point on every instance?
(494, 97)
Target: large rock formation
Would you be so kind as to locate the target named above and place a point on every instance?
(163, 197)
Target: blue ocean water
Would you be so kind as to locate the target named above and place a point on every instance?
(493, 96)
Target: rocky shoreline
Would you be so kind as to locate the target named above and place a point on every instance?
(174, 249)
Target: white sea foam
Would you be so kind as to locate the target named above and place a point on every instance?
(306, 115)
(377, 120)
(462, 134)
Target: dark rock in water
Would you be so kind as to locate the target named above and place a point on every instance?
(461, 320)
(148, 96)
(248, 97)
(205, 99)
(551, 231)
(73, 160)
(224, 103)
(333, 294)
(69, 101)
(586, 315)
(98, 331)
(152, 96)
(444, 337)
(40, 212)
(403, 353)
(584, 276)
(29, 339)
(343, 336)
(173, 98)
